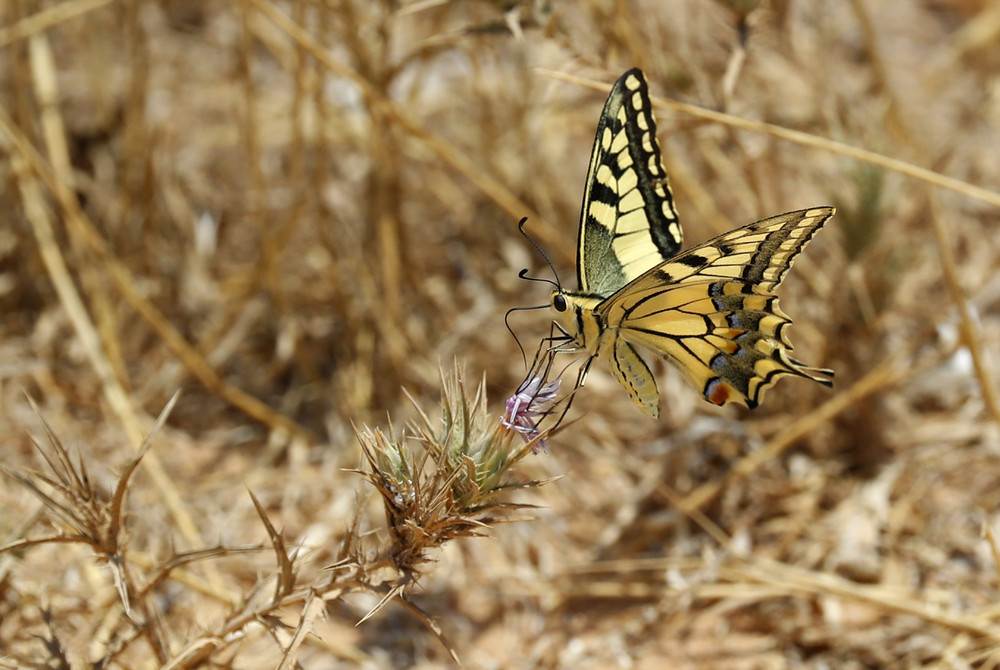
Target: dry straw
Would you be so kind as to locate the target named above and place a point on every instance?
(292, 211)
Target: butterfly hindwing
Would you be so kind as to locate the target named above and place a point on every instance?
(628, 222)
(712, 310)
(633, 374)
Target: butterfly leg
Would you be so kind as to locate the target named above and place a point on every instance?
(580, 378)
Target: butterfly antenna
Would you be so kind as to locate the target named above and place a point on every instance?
(522, 274)
(506, 321)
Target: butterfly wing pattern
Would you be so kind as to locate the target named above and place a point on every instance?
(711, 311)
(628, 222)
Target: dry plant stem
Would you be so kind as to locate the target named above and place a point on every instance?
(625, 34)
(897, 125)
(765, 579)
(95, 520)
(137, 145)
(198, 650)
(315, 599)
(384, 183)
(735, 65)
(47, 18)
(446, 152)
(695, 514)
(275, 242)
(980, 32)
(431, 625)
(38, 216)
(286, 575)
(971, 333)
(799, 580)
(323, 154)
(969, 327)
(54, 131)
(883, 376)
(249, 126)
(994, 549)
(805, 139)
(252, 209)
(314, 608)
(125, 283)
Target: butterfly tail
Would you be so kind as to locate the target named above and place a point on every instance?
(751, 340)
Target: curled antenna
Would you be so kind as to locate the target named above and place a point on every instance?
(523, 274)
(556, 283)
(506, 321)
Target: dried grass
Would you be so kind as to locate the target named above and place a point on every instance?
(292, 211)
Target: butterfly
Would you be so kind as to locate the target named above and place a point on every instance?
(711, 310)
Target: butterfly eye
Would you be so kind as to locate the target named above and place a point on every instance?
(559, 302)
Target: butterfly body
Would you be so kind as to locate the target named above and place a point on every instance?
(711, 310)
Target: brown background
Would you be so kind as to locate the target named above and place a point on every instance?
(292, 225)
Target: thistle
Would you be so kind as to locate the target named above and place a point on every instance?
(451, 485)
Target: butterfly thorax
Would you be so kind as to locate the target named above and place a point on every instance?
(576, 315)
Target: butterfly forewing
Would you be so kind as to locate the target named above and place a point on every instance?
(628, 223)
(712, 310)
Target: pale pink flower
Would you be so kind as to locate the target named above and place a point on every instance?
(532, 401)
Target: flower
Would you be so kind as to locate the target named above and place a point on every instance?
(533, 401)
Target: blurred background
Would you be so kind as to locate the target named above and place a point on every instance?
(293, 211)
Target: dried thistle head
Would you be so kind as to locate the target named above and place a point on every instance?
(84, 513)
(453, 486)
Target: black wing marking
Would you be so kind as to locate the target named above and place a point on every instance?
(628, 223)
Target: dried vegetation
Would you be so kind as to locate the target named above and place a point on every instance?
(292, 211)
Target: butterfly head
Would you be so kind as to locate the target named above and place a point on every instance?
(564, 313)
(575, 317)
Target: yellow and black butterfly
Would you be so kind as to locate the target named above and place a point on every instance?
(711, 310)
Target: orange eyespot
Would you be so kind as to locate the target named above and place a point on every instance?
(717, 391)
